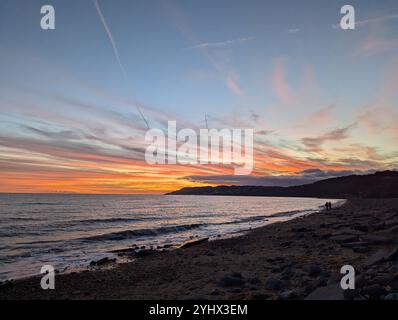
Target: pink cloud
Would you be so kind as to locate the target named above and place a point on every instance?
(323, 116)
(375, 44)
(280, 84)
(231, 80)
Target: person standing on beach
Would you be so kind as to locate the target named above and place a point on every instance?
(328, 205)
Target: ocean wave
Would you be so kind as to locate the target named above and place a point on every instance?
(122, 235)
(40, 204)
(105, 220)
(291, 213)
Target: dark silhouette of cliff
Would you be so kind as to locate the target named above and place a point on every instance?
(378, 185)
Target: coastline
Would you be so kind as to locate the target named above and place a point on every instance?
(294, 259)
(79, 241)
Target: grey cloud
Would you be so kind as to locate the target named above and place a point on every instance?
(315, 143)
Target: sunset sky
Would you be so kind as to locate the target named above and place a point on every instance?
(323, 101)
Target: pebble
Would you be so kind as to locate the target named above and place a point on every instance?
(102, 261)
(314, 270)
(344, 238)
(254, 280)
(273, 284)
(383, 279)
(230, 281)
(374, 290)
(391, 296)
(286, 295)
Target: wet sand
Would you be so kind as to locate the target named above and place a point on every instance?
(297, 259)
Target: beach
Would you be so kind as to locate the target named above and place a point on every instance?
(296, 259)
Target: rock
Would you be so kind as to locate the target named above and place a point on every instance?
(344, 238)
(297, 237)
(383, 280)
(370, 272)
(259, 296)
(102, 261)
(354, 244)
(254, 280)
(326, 236)
(286, 244)
(391, 296)
(360, 281)
(376, 239)
(330, 292)
(145, 252)
(6, 284)
(391, 223)
(229, 281)
(286, 275)
(324, 275)
(314, 270)
(215, 292)
(379, 226)
(286, 295)
(392, 255)
(276, 269)
(273, 284)
(373, 291)
(393, 230)
(361, 249)
(236, 275)
(350, 294)
(375, 258)
(300, 229)
(124, 251)
(193, 243)
(361, 227)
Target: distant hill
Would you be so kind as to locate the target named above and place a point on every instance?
(378, 185)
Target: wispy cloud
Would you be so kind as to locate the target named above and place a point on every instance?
(280, 84)
(232, 83)
(337, 135)
(179, 19)
(294, 30)
(228, 43)
(373, 45)
(360, 23)
(322, 116)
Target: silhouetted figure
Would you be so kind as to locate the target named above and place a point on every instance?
(328, 205)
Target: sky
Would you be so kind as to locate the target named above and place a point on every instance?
(76, 102)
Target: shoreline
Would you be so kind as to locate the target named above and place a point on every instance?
(124, 252)
(283, 260)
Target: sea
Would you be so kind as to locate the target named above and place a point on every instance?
(68, 231)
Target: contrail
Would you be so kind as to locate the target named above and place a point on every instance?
(109, 33)
(142, 116)
(115, 50)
